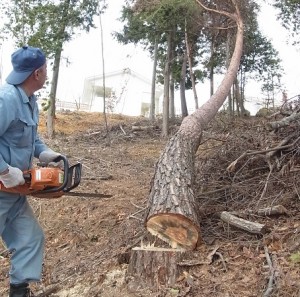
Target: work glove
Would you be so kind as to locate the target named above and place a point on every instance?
(48, 156)
(14, 177)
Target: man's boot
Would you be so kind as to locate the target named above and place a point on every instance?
(20, 290)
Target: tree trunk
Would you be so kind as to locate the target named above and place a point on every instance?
(165, 126)
(152, 267)
(184, 111)
(228, 55)
(51, 110)
(211, 66)
(172, 97)
(56, 64)
(190, 60)
(152, 105)
(172, 213)
(239, 100)
(172, 80)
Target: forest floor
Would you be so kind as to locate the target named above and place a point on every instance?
(89, 240)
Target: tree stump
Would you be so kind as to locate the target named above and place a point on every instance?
(152, 267)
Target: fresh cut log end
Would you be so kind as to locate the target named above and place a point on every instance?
(175, 229)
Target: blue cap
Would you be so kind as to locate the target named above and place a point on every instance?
(25, 60)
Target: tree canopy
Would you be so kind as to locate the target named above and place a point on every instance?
(289, 15)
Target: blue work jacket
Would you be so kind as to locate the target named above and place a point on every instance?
(19, 139)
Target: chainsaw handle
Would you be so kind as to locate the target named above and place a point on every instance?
(27, 177)
(66, 169)
(66, 165)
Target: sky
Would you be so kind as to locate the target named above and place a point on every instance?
(289, 55)
(84, 56)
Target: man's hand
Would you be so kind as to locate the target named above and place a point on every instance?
(48, 156)
(12, 177)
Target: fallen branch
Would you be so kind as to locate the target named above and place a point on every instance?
(265, 186)
(270, 286)
(284, 122)
(122, 130)
(232, 165)
(281, 145)
(267, 211)
(252, 227)
(222, 260)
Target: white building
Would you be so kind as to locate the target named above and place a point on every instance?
(127, 93)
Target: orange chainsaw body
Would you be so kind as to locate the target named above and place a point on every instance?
(48, 182)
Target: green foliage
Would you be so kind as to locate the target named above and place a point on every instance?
(148, 21)
(289, 15)
(144, 21)
(260, 60)
(48, 23)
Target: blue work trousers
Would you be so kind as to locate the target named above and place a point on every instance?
(24, 238)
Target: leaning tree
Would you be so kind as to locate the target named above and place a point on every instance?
(172, 209)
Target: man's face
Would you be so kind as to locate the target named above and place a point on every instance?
(41, 75)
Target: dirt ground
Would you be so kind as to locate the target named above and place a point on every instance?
(89, 240)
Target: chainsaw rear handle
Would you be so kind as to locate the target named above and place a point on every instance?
(66, 175)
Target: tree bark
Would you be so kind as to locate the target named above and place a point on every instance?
(153, 268)
(172, 213)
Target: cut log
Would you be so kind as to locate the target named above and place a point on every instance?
(152, 267)
(252, 227)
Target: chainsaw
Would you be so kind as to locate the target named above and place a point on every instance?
(52, 182)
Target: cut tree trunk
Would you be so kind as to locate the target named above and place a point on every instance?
(172, 210)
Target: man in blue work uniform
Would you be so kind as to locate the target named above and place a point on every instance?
(19, 144)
